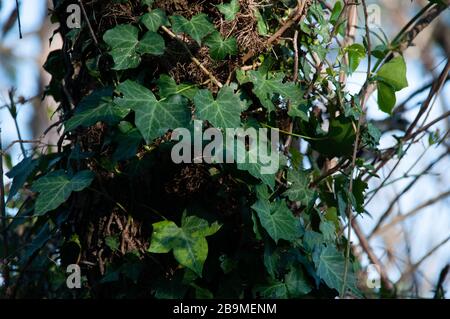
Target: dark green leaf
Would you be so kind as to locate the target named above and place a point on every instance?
(188, 242)
(198, 27)
(168, 86)
(386, 97)
(154, 19)
(20, 174)
(56, 187)
(299, 187)
(393, 73)
(331, 268)
(153, 118)
(222, 112)
(220, 48)
(277, 220)
(96, 107)
(151, 43)
(229, 10)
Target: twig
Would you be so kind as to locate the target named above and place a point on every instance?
(388, 211)
(352, 19)
(18, 19)
(369, 45)
(435, 89)
(193, 59)
(289, 139)
(353, 164)
(21, 142)
(352, 221)
(372, 257)
(404, 39)
(5, 273)
(433, 122)
(13, 112)
(414, 211)
(319, 66)
(22, 100)
(329, 172)
(298, 13)
(437, 86)
(439, 292)
(416, 265)
(402, 107)
(89, 24)
(349, 204)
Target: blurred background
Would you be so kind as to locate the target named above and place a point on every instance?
(413, 242)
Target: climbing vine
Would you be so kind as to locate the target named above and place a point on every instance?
(110, 198)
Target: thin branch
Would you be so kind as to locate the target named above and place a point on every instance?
(416, 265)
(372, 257)
(433, 122)
(18, 19)
(435, 89)
(369, 44)
(5, 273)
(22, 142)
(390, 208)
(402, 107)
(298, 13)
(404, 39)
(439, 292)
(349, 204)
(289, 139)
(414, 211)
(88, 23)
(193, 59)
(352, 19)
(437, 86)
(13, 111)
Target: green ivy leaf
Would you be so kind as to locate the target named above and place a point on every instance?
(271, 259)
(356, 52)
(97, 107)
(273, 290)
(188, 242)
(126, 48)
(56, 187)
(153, 118)
(338, 6)
(339, 140)
(147, 2)
(112, 242)
(20, 173)
(386, 97)
(299, 190)
(277, 219)
(123, 40)
(222, 112)
(167, 87)
(151, 43)
(128, 141)
(255, 162)
(393, 73)
(263, 28)
(296, 284)
(328, 231)
(154, 19)
(220, 48)
(391, 77)
(265, 86)
(229, 10)
(198, 27)
(330, 268)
